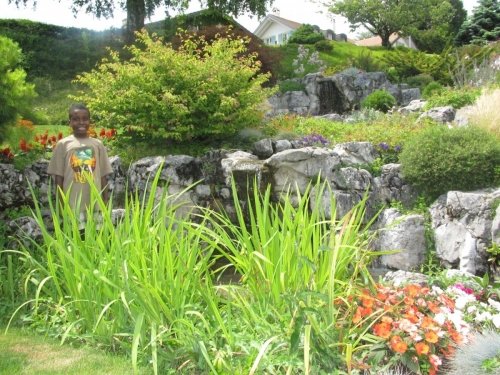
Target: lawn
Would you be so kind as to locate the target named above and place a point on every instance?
(25, 352)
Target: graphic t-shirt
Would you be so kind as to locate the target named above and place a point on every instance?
(75, 159)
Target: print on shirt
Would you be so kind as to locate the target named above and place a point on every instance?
(82, 162)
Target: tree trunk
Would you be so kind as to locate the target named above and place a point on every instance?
(136, 13)
(385, 40)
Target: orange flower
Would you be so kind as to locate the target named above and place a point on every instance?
(427, 322)
(382, 330)
(422, 348)
(433, 307)
(431, 336)
(412, 290)
(455, 336)
(398, 345)
(357, 316)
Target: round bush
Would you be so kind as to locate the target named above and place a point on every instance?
(380, 100)
(439, 159)
(323, 46)
(433, 88)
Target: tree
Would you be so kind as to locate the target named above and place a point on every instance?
(438, 26)
(15, 93)
(385, 17)
(483, 26)
(138, 10)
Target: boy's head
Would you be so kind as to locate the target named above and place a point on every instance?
(79, 120)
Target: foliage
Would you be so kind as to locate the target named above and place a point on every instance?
(15, 92)
(455, 159)
(484, 112)
(58, 52)
(438, 26)
(432, 89)
(420, 80)
(291, 85)
(475, 65)
(307, 61)
(383, 18)
(200, 90)
(323, 46)
(409, 63)
(483, 26)
(306, 34)
(366, 61)
(455, 98)
(379, 100)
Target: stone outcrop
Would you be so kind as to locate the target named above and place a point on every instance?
(340, 93)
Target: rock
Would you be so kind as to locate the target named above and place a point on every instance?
(282, 145)
(390, 186)
(463, 228)
(404, 233)
(413, 106)
(355, 153)
(400, 278)
(263, 148)
(440, 114)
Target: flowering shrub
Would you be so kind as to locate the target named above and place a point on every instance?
(314, 140)
(417, 326)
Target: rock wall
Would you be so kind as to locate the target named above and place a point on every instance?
(465, 223)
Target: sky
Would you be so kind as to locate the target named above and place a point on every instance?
(59, 13)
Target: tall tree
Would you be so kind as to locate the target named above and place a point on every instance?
(138, 10)
(483, 25)
(385, 17)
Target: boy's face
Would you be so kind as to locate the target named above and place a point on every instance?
(79, 121)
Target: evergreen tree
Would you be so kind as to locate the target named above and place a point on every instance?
(483, 26)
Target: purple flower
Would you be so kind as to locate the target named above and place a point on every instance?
(397, 148)
(384, 146)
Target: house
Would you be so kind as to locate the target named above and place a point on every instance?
(274, 30)
(395, 39)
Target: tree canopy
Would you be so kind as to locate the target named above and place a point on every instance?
(385, 17)
(138, 10)
(483, 25)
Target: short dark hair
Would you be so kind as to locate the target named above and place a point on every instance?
(78, 107)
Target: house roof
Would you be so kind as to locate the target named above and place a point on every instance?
(272, 18)
(376, 41)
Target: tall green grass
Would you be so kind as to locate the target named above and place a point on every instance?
(145, 284)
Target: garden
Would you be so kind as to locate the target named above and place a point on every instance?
(277, 286)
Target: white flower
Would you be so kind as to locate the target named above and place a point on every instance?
(440, 318)
(496, 320)
(461, 301)
(471, 309)
(494, 304)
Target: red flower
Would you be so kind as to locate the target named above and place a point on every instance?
(23, 145)
(59, 136)
(102, 133)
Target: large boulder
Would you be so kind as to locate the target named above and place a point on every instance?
(463, 224)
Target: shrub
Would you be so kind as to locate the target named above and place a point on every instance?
(306, 34)
(380, 100)
(420, 80)
(323, 46)
(291, 85)
(456, 98)
(199, 91)
(439, 159)
(432, 89)
(15, 93)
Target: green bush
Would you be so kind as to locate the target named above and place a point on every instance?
(323, 46)
(198, 91)
(420, 80)
(15, 93)
(432, 89)
(439, 159)
(291, 85)
(456, 98)
(306, 34)
(380, 100)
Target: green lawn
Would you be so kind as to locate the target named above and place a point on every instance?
(23, 352)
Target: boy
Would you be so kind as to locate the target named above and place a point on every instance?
(78, 156)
